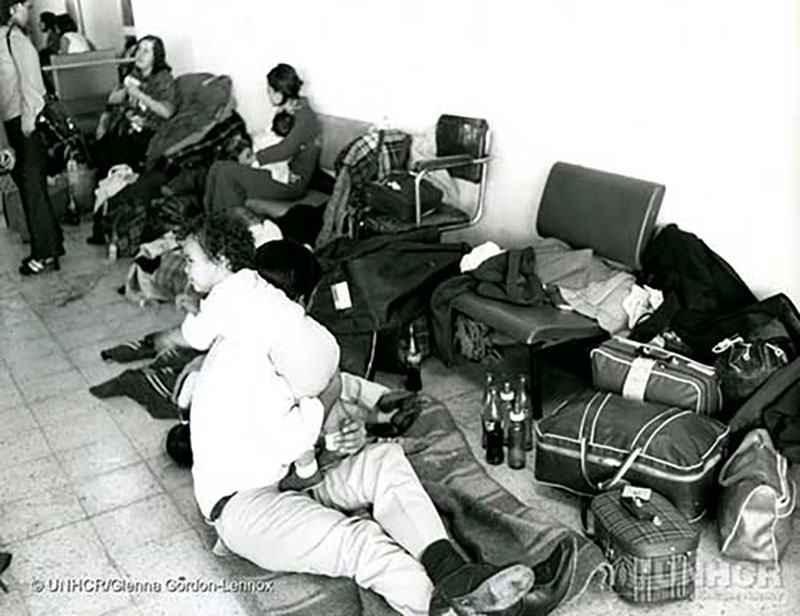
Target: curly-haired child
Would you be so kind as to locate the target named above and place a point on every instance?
(267, 363)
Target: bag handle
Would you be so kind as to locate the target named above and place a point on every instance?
(618, 476)
(755, 438)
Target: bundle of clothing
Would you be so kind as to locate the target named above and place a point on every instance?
(163, 196)
(367, 158)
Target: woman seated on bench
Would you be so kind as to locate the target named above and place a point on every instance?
(136, 109)
(229, 184)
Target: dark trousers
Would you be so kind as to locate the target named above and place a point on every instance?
(116, 149)
(229, 184)
(30, 177)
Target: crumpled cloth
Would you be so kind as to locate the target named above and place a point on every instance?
(119, 176)
(478, 255)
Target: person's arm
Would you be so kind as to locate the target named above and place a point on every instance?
(163, 109)
(30, 76)
(304, 130)
(170, 339)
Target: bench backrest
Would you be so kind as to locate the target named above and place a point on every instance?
(612, 214)
(96, 78)
(337, 132)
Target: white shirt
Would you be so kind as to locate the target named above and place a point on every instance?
(265, 353)
(21, 87)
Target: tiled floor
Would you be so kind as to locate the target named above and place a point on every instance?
(87, 492)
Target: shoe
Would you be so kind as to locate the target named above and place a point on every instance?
(33, 267)
(553, 579)
(294, 483)
(482, 589)
(403, 408)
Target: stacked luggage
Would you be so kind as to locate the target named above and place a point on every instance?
(650, 446)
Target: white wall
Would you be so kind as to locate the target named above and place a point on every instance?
(102, 22)
(701, 95)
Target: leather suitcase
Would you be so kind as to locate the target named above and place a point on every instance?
(652, 374)
(596, 440)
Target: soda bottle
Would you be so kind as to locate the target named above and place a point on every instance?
(486, 405)
(523, 403)
(506, 406)
(413, 362)
(493, 427)
(516, 439)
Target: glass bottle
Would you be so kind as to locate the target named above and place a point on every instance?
(516, 439)
(493, 427)
(506, 406)
(523, 403)
(486, 405)
(413, 362)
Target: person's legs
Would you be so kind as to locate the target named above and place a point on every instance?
(289, 531)
(31, 180)
(380, 476)
(229, 184)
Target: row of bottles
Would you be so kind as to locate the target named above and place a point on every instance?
(507, 421)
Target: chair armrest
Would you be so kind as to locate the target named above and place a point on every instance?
(446, 162)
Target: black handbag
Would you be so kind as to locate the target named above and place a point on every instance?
(394, 195)
(744, 365)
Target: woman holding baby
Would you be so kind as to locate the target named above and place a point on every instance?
(230, 184)
(136, 109)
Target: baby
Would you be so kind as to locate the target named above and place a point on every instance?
(282, 125)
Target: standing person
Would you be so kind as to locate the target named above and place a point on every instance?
(71, 41)
(52, 37)
(229, 184)
(241, 453)
(21, 100)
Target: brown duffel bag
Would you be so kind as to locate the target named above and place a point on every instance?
(596, 440)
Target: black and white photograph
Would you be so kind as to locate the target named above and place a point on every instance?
(392, 307)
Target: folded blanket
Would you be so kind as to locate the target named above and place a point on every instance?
(203, 101)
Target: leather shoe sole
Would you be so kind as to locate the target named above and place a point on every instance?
(497, 593)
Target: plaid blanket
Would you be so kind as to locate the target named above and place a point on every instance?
(486, 518)
(368, 157)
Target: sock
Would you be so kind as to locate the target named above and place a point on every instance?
(440, 559)
(305, 471)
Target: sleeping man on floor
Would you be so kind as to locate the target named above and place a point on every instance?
(242, 451)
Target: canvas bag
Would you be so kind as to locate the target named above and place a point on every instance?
(755, 513)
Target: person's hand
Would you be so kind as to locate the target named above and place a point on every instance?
(162, 341)
(350, 438)
(247, 156)
(188, 302)
(117, 96)
(7, 159)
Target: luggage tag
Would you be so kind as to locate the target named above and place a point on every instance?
(341, 296)
(638, 377)
(636, 501)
